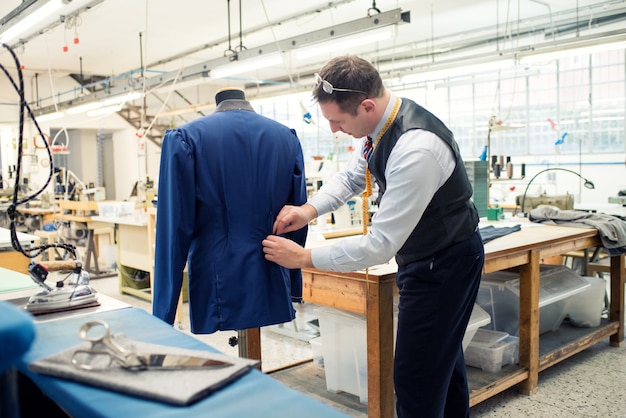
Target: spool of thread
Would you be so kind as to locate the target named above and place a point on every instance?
(497, 170)
(509, 169)
(523, 170)
(501, 160)
(494, 160)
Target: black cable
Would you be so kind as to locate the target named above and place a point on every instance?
(12, 209)
(373, 9)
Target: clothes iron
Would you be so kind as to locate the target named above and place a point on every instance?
(72, 290)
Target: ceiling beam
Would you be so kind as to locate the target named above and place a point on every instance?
(120, 85)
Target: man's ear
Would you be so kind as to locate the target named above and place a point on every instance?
(368, 105)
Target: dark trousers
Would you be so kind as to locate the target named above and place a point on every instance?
(437, 296)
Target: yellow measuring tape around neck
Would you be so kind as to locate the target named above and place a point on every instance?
(368, 177)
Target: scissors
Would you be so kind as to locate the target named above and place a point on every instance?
(105, 350)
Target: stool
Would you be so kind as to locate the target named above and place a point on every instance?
(49, 237)
(581, 260)
(601, 266)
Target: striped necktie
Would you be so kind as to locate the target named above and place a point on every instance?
(367, 148)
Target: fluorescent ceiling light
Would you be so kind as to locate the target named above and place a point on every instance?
(105, 110)
(553, 55)
(467, 70)
(84, 108)
(49, 117)
(345, 44)
(122, 99)
(30, 20)
(245, 66)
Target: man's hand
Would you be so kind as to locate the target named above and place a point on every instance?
(286, 253)
(292, 218)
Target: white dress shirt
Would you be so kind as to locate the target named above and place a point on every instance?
(419, 164)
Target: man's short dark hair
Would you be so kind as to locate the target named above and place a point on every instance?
(349, 72)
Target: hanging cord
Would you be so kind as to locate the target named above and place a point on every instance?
(240, 47)
(275, 39)
(12, 210)
(230, 51)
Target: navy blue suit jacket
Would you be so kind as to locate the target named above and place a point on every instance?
(222, 181)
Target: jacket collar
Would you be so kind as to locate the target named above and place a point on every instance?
(234, 104)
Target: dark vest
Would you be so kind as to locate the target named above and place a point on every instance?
(451, 216)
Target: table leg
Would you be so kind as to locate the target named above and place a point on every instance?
(91, 252)
(249, 343)
(380, 349)
(529, 323)
(616, 313)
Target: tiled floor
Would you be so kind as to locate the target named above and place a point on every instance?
(589, 384)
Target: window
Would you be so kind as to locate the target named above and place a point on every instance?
(567, 106)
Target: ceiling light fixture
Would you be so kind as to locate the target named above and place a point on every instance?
(83, 108)
(129, 97)
(30, 20)
(105, 110)
(346, 44)
(50, 116)
(568, 51)
(249, 65)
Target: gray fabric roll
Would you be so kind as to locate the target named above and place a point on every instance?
(179, 387)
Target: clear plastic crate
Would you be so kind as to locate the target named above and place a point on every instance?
(499, 295)
(479, 318)
(344, 347)
(116, 209)
(490, 350)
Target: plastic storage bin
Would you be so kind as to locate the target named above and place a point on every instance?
(499, 296)
(115, 209)
(344, 347)
(479, 318)
(316, 350)
(490, 350)
(585, 308)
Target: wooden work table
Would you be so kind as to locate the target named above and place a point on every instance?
(84, 212)
(9, 257)
(372, 294)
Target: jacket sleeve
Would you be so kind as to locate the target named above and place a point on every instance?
(299, 197)
(174, 223)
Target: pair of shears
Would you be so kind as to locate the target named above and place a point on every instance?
(105, 350)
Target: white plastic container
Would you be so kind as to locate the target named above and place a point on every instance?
(490, 350)
(115, 209)
(479, 318)
(585, 308)
(344, 347)
(499, 296)
(316, 349)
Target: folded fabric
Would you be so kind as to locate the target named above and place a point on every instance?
(490, 232)
(178, 387)
(612, 229)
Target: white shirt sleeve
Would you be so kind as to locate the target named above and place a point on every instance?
(419, 164)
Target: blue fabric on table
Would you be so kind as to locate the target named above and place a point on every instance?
(253, 395)
(17, 332)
